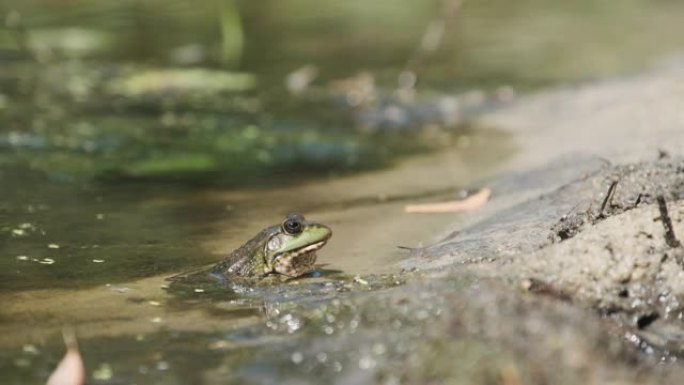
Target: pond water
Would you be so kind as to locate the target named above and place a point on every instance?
(139, 139)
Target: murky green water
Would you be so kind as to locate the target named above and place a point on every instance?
(143, 138)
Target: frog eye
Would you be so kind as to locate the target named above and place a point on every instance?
(292, 225)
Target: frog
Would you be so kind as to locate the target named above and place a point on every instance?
(284, 250)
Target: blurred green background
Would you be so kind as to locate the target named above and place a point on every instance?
(198, 91)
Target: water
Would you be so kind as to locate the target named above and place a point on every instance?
(110, 181)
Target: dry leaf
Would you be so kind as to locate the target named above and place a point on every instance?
(472, 202)
(70, 370)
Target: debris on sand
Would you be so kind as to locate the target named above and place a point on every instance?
(472, 202)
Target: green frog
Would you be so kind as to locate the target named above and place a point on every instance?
(288, 249)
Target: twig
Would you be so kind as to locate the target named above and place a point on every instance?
(670, 237)
(540, 287)
(608, 198)
(472, 202)
(414, 251)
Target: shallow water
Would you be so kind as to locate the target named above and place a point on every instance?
(97, 280)
(81, 245)
(59, 235)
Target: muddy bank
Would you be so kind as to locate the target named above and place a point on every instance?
(596, 220)
(607, 241)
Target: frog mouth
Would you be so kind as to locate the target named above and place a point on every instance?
(297, 262)
(312, 248)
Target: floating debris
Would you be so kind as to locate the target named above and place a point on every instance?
(153, 303)
(118, 289)
(53, 246)
(23, 229)
(156, 320)
(300, 79)
(98, 260)
(103, 373)
(219, 345)
(47, 261)
(198, 290)
(30, 349)
(22, 258)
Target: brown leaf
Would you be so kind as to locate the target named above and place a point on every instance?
(472, 202)
(70, 370)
